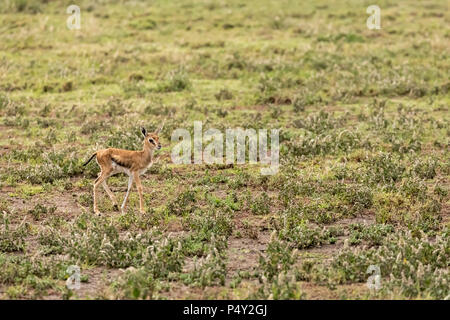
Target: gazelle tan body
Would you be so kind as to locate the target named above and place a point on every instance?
(133, 163)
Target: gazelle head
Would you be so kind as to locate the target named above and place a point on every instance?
(151, 139)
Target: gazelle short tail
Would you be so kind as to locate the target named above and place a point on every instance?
(85, 164)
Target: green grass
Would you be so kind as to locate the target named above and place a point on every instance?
(363, 118)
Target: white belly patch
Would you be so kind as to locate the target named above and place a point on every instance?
(117, 169)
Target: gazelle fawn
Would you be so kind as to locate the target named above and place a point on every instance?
(133, 163)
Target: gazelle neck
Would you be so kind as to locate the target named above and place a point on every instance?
(148, 154)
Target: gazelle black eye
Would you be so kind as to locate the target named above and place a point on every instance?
(151, 141)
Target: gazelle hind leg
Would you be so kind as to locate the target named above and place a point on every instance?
(125, 200)
(98, 181)
(111, 195)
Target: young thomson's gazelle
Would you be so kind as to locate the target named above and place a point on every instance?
(133, 163)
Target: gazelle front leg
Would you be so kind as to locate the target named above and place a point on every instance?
(130, 184)
(111, 195)
(139, 188)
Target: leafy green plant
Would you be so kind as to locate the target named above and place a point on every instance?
(40, 210)
(282, 287)
(414, 266)
(372, 234)
(175, 81)
(208, 271)
(136, 284)
(12, 240)
(306, 236)
(184, 203)
(279, 258)
(260, 205)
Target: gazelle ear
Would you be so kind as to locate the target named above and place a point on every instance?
(144, 132)
(159, 130)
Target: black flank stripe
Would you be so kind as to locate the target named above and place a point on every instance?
(122, 164)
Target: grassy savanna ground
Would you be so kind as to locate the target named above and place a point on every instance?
(364, 176)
